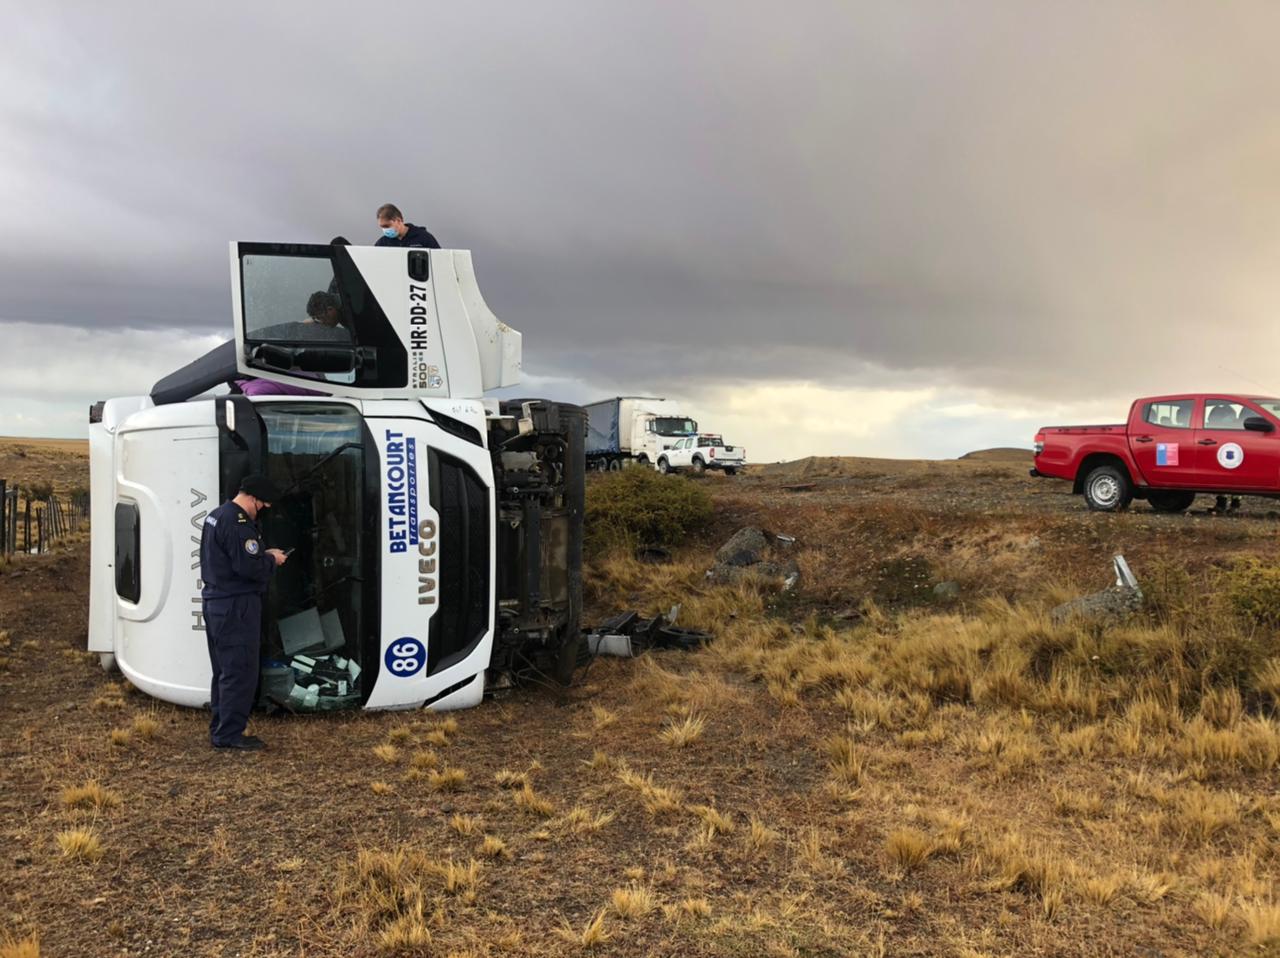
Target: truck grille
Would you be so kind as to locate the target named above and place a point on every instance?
(462, 502)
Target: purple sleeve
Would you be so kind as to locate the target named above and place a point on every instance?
(265, 387)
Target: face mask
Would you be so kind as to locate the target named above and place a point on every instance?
(390, 232)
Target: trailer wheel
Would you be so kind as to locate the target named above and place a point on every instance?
(664, 467)
(1173, 501)
(1107, 489)
(699, 467)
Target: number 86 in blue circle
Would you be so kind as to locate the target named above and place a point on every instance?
(405, 657)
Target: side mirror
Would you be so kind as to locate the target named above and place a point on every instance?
(1258, 424)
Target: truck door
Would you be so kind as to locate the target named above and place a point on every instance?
(1162, 441)
(1230, 457)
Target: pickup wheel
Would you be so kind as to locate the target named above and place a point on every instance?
(1107, 489)
(1171, 501)
(699, 467)
(664, 467)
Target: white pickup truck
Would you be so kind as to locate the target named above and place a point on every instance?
(700, 453)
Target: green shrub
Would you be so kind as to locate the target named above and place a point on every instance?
(1253, 589)
(639, 507)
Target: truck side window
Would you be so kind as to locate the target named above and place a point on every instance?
(1224, 414)
(128, 546)
(1170, 414)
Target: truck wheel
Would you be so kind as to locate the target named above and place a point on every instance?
(664, 467)
(1173, 501)
(699, 467)
(615, 465)
(1107, 489)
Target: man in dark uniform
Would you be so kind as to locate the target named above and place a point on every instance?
(396, 232)
(235, 568)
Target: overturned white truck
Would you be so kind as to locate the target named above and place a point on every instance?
(436, 535)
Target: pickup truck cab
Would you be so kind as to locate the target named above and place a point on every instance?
(700, 453)
(1171, 449)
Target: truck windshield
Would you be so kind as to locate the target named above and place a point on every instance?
(307, 311)
(322, 608)
(671, 426)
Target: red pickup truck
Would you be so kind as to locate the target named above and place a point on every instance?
(1172, 448)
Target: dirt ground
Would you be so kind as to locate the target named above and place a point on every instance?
(677, 804)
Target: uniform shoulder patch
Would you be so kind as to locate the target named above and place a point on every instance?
(211, 520)
(241, 519)
(252, 547)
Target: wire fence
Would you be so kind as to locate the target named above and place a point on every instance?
(30, 523)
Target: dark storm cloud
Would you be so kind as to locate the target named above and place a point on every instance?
(1034, 197)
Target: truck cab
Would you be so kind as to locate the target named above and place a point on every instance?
(436, 535)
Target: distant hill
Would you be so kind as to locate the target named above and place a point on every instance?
(1001, 454)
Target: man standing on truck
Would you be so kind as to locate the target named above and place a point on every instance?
(396, 232)
(235, 570)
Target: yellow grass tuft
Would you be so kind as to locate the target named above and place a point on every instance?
(717, 822)
(436, 736)
(80, 844)
(1261, 920)
(583, 820)
(531, 801)
(1102, 891)
(634, 901)
(459, 879)
(684, 733)
(657, 799)
(599, 760)
(405, 931)
(26, 948)
(601, 717)
(847, 760)
(506, 778)
(592, 935)
(908, 848)
(424, 759)
(120, 737)
(388, 753)
(446, 779)
(90, 795)
(494, 847)
(1214, 910)
(145, 726)
(380, 788)
(759, 837)
(466, 824)
(400, 735)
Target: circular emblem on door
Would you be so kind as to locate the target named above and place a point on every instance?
(1230, 455)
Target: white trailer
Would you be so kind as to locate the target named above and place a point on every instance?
(437, 535)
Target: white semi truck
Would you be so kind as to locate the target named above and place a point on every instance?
(436, 534)
(633, 429)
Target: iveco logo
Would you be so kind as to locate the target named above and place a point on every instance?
(426, 562)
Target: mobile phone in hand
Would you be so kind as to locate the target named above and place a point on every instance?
(288, 552)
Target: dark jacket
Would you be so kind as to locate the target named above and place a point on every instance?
(413, 236)
(233, 560)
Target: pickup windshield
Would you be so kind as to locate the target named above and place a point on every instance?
(670, 426)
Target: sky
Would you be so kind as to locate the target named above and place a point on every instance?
(907, 228)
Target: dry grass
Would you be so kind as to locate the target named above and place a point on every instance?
(388, 753)
(424, 760)
(145, 726)
(380, 788)
(80, 844)
(684, 733)
(494, 847)
(634, 901)
(446, 779)
(759, 837)
(120, 737)
(506, 778)
(908, 848)
(90, 795)
(20, 948)
(1261, 921)
(592, 935)
(466, 824)
(717, 823)
(530, 801)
